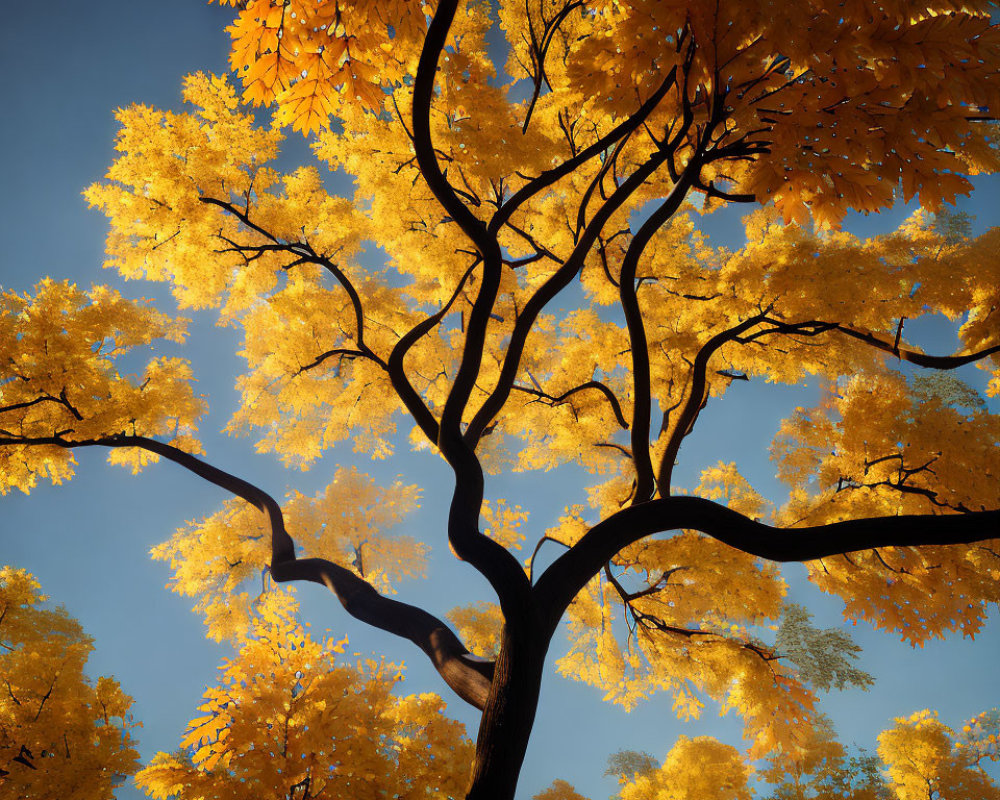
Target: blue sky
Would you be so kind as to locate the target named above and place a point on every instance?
(68, 66)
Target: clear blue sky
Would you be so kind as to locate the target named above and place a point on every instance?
(68, 65)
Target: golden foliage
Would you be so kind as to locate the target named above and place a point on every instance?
(318, 59)
(693, 635)
(810, 114)
(287, 716)
(559, 790)
(919, 758)
(924, 759)
(694, 769)
(480, 627)
(879, 99)
(876, 447)
(348, 523)
(61, 379)
(62, 735)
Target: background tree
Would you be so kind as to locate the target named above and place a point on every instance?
(924, 760)
(288, 721)
(823, 770)
(487, 208)
(920, 758)
(62, 736)
(625, 764)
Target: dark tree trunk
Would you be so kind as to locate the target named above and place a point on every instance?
(509, 715)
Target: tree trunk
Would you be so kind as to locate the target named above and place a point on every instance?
(509, 715)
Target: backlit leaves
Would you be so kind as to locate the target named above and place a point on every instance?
(319, 59)
(216, 559)
(480, 628)
(922, 756)
(877, 448)
(63, 736)
(807, 112)
(687, 629)
(287, 714)
(153, 195)
(694, 769)
(63, 379)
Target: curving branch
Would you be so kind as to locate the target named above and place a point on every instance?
(554, 284)
(846, 483)
(306, 254)
(558, 400)
(550, 176)
(492, 560)
(920, 359)
(930, 494)
(540, 49)
(565, 577)
(696, 399)
(393, 366)
(639, 346)
(341, 352)
(651, 622)
(610, 161)
(397, 373)
(45, 398)
(467, 676)
(423, 93)
(815, 327)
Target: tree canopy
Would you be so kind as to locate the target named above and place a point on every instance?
(546, 298)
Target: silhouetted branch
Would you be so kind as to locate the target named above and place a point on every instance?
(697, 395)
(565, 577)
(397, 372)
(920, 359)
(498, 566)
(602, 388)
(45, 398)
(468, 677)
(550, 176)
(306, 254)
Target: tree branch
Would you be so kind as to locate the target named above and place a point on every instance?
(322, 357)
(639, 347)
(550, 176)
(306, 253)
(602, 388)
(492, 560)
(569, 573)
(397, 372)
(920, 359)
(423, 93)
(45, 398)
(555, 283)
(539, 50)
(470, 679)
(696, 399)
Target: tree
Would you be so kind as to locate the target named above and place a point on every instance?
(823, 770)
(62, 736)
(922, 758)
(489, 205)
(287, 721)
